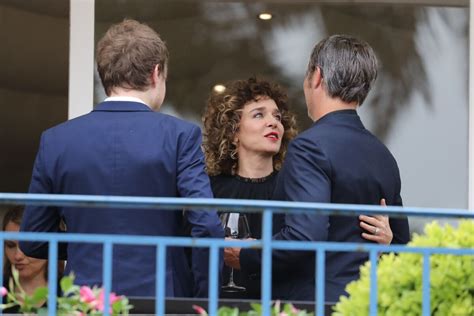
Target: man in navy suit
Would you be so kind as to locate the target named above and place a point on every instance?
(123, 147)
(335, 161)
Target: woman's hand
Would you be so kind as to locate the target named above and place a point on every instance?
(377, 227)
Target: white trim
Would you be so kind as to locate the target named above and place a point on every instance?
(471, 110)
(124, 98)
(81, 57)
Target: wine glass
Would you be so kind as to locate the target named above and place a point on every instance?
(236, 226)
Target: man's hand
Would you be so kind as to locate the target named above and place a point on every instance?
(232, 257)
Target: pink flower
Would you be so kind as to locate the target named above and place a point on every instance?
(112, 299)
(199, 310)
(294, 310)
(3, 291)
(87, 295)
(277, 306)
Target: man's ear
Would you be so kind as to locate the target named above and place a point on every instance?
(316, 79)
(162, 71)
(155, 74)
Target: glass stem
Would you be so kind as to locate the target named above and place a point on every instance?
(231, 277)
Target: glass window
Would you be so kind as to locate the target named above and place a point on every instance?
(34, 58)
(418, 106)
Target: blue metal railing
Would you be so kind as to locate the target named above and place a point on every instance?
(266, 243)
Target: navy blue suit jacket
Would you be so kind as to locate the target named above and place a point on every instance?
(124, 148)
(335, 161)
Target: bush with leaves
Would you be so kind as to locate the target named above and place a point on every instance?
(400, 278)
(75, 300)
(276, 310)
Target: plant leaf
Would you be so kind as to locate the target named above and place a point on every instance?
(67, 283)
(40, 294)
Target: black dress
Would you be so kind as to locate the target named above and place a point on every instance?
(236, 187)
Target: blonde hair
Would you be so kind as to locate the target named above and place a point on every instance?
(127, 54)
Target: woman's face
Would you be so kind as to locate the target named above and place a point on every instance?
(27, 267)
(260, 130)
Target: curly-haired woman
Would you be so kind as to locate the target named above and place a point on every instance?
(247, 129)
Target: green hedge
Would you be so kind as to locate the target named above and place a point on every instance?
(400, 278)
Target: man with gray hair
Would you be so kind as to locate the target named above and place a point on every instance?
(335, 161)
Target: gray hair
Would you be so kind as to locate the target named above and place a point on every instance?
(348, 67)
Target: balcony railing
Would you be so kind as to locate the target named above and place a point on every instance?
(266, 243)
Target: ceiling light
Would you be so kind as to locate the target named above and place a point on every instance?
(219, 88)
(265, 16)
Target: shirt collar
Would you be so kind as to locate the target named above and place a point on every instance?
(124, 99)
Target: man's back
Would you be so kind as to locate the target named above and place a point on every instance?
(120, 145)
(335, 161)
(122, 148)
(362, 169)
(362, 172)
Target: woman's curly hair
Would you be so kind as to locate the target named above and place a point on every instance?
(222, 118)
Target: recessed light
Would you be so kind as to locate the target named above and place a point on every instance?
(265, 16)
(219, 88)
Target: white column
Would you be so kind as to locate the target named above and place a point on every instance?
(81, 57)
(471, 107)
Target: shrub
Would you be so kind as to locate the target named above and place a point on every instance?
(256, 310)
(400, 278)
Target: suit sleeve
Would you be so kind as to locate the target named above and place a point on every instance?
(305, 177)
(193, 182)
(399, 225)
(41, 218)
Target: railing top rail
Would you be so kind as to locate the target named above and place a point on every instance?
(228, 204)
(209, 242)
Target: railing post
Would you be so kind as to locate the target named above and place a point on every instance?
(267, 262)
(52, 276)
(426, 304)
(320, 280)
(160, 279)
(213, 279)
(373, 282)
(107, 275)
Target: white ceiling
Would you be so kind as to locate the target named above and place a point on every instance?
(60, 8)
